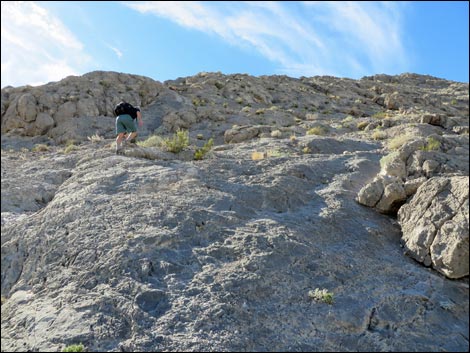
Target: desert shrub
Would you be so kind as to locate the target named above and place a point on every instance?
(258, 155)
(379, 135)
(152, 141)
(431, 144)
(379, 115)
(201, 152)
(40, 148)
(74, 348)
(347, 122)
(199, 102)
(178, 142)
(95, 138)
(321, 295)
(317, 130)
(70, 146)
(399, 141)
(362, 125)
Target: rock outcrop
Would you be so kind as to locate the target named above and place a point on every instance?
(157, 251)
(435, 225)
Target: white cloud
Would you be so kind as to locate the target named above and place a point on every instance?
(303, 38)
(36, 46)
(115, 50)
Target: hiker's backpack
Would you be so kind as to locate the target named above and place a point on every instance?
(126, 108)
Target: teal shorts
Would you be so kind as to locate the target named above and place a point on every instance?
(125, 123)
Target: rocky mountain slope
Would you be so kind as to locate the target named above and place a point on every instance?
(330, 215)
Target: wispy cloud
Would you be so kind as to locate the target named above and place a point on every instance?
(303, 38)
(115, 50)
(36, 46)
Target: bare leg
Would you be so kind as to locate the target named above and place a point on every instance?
(131, 136)
(119, 139)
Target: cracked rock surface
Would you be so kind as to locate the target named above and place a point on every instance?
(155, 251)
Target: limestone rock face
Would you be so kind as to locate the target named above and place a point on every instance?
(87, 99)
(150, 250)
(435, 225)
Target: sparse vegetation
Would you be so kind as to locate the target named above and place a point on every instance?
(399, 141)
(379, 135)
(201, 152)
(199, 102)
(74, 348)
(317, 130)
(321, 295)
(95, 138)
(347, 122)
(276, 153)
(105, 84)
(40, 148)
(69, 146)
(178, 142)
(432, 144)
(258, 155)
(379, 115)
(362, 125)
(152, 141)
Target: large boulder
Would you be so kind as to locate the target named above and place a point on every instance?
(435, 225)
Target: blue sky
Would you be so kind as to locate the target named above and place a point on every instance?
(47, 41)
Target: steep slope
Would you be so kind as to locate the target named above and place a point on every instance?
(154, 251)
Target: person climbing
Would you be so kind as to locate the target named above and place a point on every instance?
(126, 131)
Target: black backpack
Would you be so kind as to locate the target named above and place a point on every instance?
(126, 108)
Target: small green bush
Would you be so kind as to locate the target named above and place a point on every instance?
(321, 295)
(199, 102)
(201, 152)
(431, 144)
(70, 147)
(74, 348)
(317, 130)
(178, 142)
